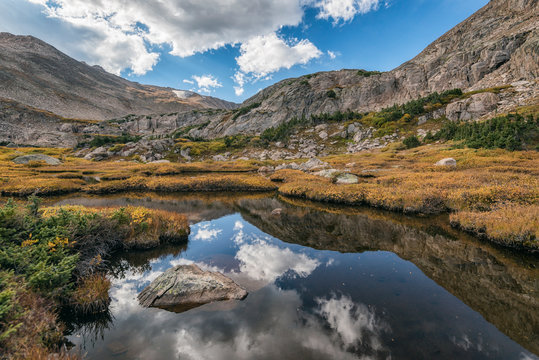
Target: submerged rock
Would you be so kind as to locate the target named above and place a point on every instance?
(188, 286)
(25, 159)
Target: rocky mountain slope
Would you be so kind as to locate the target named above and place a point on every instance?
(36, 74)
(497, 45)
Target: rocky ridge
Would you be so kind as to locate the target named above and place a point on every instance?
(34, 73)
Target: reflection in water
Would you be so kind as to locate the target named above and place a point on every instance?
(371, 290)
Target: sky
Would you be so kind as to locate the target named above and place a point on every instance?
(231, 49)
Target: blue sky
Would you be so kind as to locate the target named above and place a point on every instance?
(233, 48)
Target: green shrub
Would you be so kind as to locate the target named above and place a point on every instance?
(366, 73)
(411, 142)
(331, 94)
(244, 110)
(283, 131)
(511, 132)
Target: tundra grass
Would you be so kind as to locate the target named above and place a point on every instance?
(394, 179)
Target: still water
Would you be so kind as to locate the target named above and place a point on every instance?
(324, 283)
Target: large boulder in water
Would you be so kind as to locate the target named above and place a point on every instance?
(25, 159)
(187, 286)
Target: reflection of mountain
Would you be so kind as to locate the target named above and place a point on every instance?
(501, 286)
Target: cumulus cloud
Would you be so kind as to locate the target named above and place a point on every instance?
(265, 262)
(344, 10)
(204, 232)
(118, 31)
(262, 55)
(205, 83)
(354, 323)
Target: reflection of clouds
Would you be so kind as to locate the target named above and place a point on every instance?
(204, 233)
(354, 323)
(238, 225)
(262, 261)
(201, 265)
(274, 329)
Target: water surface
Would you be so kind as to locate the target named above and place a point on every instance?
(324, 283)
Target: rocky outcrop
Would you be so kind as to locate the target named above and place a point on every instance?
(36, 74)
(497, 45)
(25, 159)
(188, 286)
(472, 108)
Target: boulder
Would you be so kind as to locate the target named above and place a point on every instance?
(313, 164)
(188, 286)
(346, 178)
(266, 169)
(323, 135)
(447, 162)
(25, 159)
(329, 173)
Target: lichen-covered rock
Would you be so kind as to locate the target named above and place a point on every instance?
(189, 286)
(345, 178)
(447, 162)
(25, 159)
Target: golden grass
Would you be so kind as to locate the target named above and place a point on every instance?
(217, 182)
(510, 225)
(393, 179)
(92, 294)
(144, 228)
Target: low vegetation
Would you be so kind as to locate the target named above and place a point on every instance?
(53, 257)
(511, 132)
(510, 225)
(244, 110)
(101, 140)
(365, 73)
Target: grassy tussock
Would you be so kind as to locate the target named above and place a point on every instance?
(510, 225)
(218, 182)
(92, 294)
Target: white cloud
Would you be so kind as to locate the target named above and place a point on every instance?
(206, 83)
(353, 322)
(204, 232)
(117, 32)
(190, 82)
(332, 55)
(344, 10)
(262, 55)
(262, 261)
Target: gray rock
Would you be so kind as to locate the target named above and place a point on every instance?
(323, 135)
(266, 169)
(345, 178)
(473, 108)
(291, 166)
(189, 286)
(159, 162)
(329, 173)
(447, 162)
(313, 164)
(25, 159)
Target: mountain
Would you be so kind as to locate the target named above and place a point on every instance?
(497, 45)
(38, 75)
